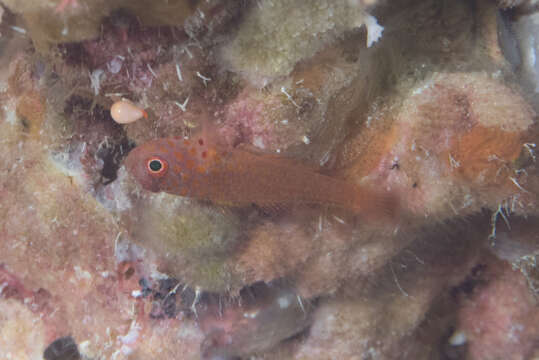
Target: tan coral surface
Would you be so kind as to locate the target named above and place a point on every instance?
(434, 116)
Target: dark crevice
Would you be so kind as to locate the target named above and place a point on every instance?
(63, 348)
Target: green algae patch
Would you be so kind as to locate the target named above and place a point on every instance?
(192, 241)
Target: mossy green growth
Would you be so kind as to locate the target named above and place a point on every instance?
(214, 275)
(274, 36)
(195, 242)
(190, 228)
(51, 22)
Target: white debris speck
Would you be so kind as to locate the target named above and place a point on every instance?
(11, 116)
(151, 70)
(122, 248)
(179, 72)
(497, 74)
(454, 163)
(65, 31)
(530, 147)
(186, 50)
(258, 142)
(114, 196)
(458, 338)
(84, 347)
(183, 106)
(130, 338)
(514, 332)
(115, 65)
(374, 30)
(339, 220)
(204, 78)
(517, 184)
(283, 302)
(325, 158)
(468, 200)
(95, 80)
(81, 274)
(250, 314)
(306, 140)
(369, 121)
(115, 355)
(420, 89)
(3, 286)
(136, 293)
(289, 97)
(18, 29)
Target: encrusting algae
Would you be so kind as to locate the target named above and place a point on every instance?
(352, 193)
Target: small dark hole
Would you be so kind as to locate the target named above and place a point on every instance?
(63, 348)
(25, 123)
(129, 272)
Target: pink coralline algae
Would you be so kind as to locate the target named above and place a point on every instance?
(332, 179)
(500, 318)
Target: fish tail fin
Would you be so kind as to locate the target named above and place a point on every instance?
(377, 205)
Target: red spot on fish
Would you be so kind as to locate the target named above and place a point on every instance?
(204, 154)
(200, 142)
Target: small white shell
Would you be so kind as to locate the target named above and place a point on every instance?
(125, 112)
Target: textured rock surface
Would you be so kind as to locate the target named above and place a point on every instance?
(441, 112)
(500, 318)
(273, 37)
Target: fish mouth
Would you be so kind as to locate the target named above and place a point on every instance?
(130, 162)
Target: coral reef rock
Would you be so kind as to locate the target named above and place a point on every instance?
(420, 114)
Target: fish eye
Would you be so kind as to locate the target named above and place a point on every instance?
(157, 166)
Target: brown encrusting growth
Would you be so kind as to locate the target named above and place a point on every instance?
(228, 179)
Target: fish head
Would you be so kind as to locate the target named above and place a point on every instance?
(161, 165)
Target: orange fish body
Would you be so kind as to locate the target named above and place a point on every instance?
(238, 177)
